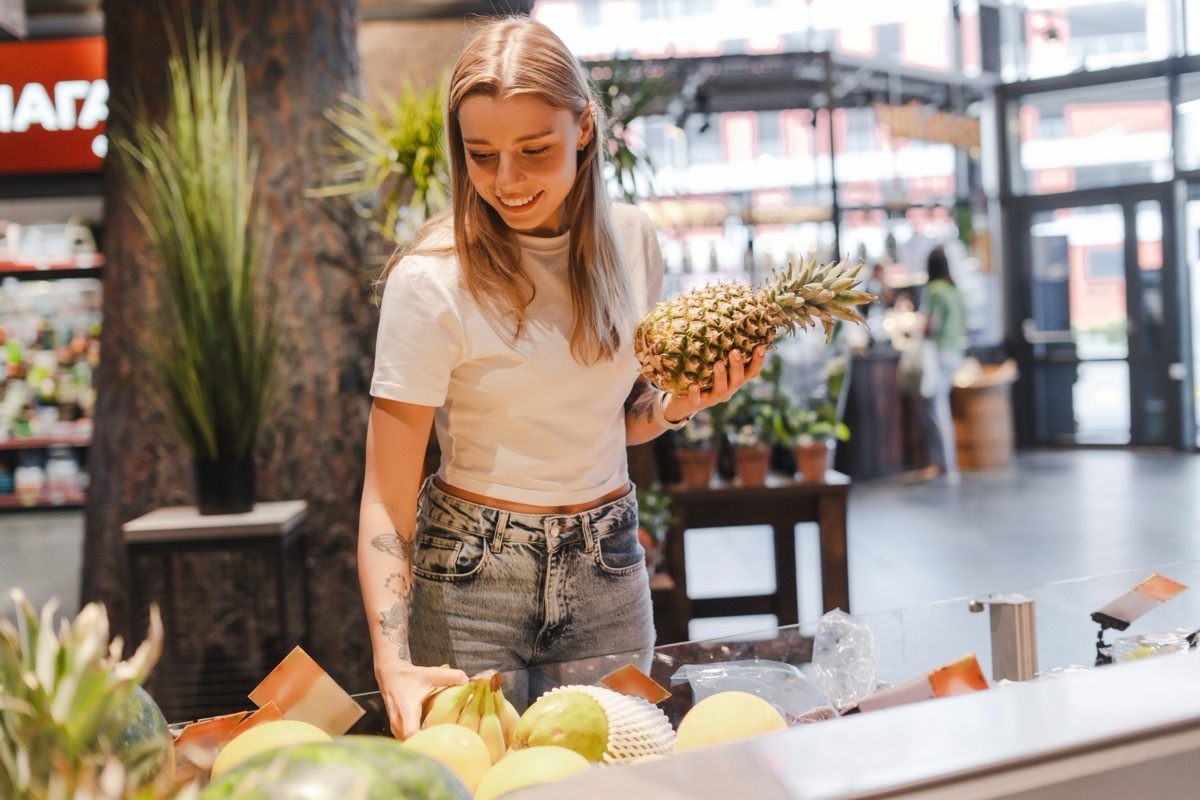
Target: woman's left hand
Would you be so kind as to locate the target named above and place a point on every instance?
(727, 379)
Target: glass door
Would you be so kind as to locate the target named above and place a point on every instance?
(1099, 341)
(1191, 238)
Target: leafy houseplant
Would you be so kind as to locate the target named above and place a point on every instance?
(814, 429)
(698, 433)
(696, 451)
(625, 97)
(390, 159)
(758, 416)
(193, 180)
(654, 519)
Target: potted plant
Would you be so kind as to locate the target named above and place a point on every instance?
(194, 186)
(627, 92)
(752, 454)
(756, 414)
(654, 520)
(696, 450)
(814, 429)
(390, 159)
(817, 427)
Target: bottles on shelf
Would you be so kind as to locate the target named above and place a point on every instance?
(49, 350)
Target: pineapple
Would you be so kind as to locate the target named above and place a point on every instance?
(679, 341)
(61, 697)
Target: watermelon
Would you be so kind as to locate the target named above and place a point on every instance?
(359, 767)
(141, 738)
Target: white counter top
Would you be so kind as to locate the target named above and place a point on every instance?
(178, 523)
(1103, 733)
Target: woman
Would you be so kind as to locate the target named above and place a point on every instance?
(508, 327)
(945, 325)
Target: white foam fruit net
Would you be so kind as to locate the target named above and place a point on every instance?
(636, 727)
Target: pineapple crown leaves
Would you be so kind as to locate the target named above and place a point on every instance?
(806, 293)
(681, 339)
(58, 688)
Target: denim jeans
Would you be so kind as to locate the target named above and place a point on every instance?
(523, 593)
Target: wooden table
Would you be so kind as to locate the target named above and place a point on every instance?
(781, 504)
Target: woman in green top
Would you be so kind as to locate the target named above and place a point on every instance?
(945, 325)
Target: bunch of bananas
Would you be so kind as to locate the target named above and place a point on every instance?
(478, 704)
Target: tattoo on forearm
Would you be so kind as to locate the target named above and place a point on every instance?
(394, 544)
(641, 400)
(394, 623)
(396, 583)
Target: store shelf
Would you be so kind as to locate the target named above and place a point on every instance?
(62, 500)
(38, 442)
(86, 265)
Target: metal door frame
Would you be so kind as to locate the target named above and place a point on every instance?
(1180, 431)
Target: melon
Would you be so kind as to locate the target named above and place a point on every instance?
(724, 717)
(456, 747)
(530, 767)
(263, 738)
(359, 767)
(143, 741)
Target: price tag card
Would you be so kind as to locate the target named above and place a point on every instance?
(1147, 595)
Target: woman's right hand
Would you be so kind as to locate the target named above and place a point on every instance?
(404, 688)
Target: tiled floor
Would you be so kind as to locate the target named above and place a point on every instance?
(1048, 516)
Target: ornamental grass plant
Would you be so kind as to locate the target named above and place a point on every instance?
(194, 186)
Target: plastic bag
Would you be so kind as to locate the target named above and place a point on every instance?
(930, 369)
(845, 659)
(782, 685)
(911, 365)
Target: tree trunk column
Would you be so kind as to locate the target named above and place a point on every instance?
(300, 58)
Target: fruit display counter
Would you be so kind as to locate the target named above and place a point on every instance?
(1083, 688)
(1059, 638)
(1132, 730)
(1058, 717)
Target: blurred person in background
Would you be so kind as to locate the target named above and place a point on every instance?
(944, 311)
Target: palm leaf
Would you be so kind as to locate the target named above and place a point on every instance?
(389, 159)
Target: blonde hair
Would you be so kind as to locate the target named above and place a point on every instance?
(518, 56)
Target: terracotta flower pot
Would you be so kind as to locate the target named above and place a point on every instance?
(811, 460)
(753, 463)
(696, 465)
(653, 550)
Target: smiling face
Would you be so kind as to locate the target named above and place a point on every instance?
(521, 158)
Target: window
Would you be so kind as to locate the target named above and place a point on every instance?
(1104, 264)
(1100, 136)
(704, 139)
(1093, 34)
(1187, 138)
(589, 13)
(770, 134)
(653, 9)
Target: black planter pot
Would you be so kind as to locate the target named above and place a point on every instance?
(224, 486)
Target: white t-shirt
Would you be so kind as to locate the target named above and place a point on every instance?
(523, 422)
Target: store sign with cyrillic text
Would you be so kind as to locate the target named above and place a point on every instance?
(53, 104)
